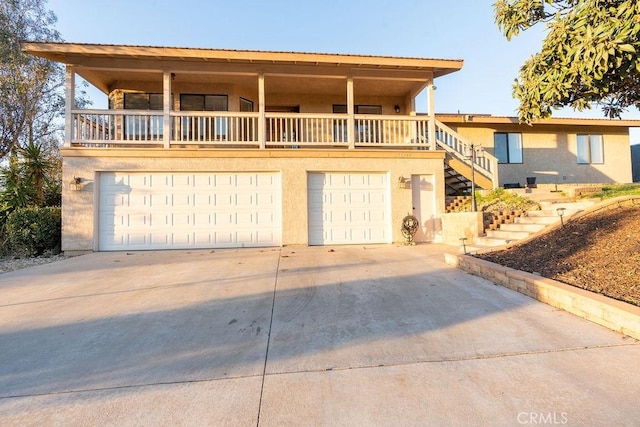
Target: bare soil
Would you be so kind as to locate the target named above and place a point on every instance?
(599, 252)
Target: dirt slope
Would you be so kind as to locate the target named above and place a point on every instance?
(599, 252)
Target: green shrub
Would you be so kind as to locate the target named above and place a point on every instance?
(33, 231)
(617, 190)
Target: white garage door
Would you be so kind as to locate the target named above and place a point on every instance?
(346, 208)
(141, 211)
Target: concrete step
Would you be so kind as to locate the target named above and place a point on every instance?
(537, 219)
(489, 242)
(573, 206)
(507, 235)
(552, 212)
(531, 228)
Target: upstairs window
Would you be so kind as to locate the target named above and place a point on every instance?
(143, 126)
(204, 127)
(507, 147)
(190, 102)
(143, 101)
(367, 130)
(590, 149)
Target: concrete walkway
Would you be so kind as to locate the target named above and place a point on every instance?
(376, 335)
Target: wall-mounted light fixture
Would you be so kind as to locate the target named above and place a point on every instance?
(404, 182)
(396, 108)
(75, 184)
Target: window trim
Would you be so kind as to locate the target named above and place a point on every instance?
(589, 149)
(204, 100)
(507, 147)
(247, 102)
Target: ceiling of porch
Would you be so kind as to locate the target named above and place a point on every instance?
(111, 66)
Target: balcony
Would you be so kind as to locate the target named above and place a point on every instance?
(146, 129)
(143, 128)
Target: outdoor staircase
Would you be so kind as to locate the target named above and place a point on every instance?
(525, 226)
(458, 170)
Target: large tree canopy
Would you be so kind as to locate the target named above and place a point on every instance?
(30, 87)
(591, 54)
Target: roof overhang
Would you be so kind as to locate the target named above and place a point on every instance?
(101, 65)
(486, 119)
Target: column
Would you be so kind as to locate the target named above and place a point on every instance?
(432, 113)
(166, 108)
(262, 122)
(351, 122)
(70, 104)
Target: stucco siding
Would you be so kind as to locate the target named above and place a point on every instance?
(550, 153)
(79, 206)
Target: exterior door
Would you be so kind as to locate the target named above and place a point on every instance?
(424, 199)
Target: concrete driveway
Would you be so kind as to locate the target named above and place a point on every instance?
(376, 335)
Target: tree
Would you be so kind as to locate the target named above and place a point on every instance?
(590, 55)
(31, 95)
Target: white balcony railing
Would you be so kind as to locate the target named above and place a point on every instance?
(294, 130)
(215, 128)
(100, 127)
(137, 127)
(391, 131)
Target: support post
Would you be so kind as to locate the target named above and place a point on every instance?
(166, 107)
(70, 104)
(351, 121)
(474, 203)
(262, 121)
(432, 113)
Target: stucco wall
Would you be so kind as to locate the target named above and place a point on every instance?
(550, 153)
(79, 214)
(308, 103)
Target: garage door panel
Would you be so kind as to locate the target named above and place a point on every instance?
(202, 238)
(225, 180)
(224, 238)
(112, 199)
(245, 200)
(348, 208)
(225, 199)
(188, 210)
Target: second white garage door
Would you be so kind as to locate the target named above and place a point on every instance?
(189, 210)
(349, 208)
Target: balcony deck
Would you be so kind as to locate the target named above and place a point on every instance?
(222, 129)
(121, 128)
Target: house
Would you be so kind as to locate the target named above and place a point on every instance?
(551, 151)
(209, 148)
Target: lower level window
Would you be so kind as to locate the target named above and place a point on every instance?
(508, 147)
(590, 149)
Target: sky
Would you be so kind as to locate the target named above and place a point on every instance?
(454, 29)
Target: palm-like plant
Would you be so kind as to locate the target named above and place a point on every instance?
(36, 165)
(15, 194)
